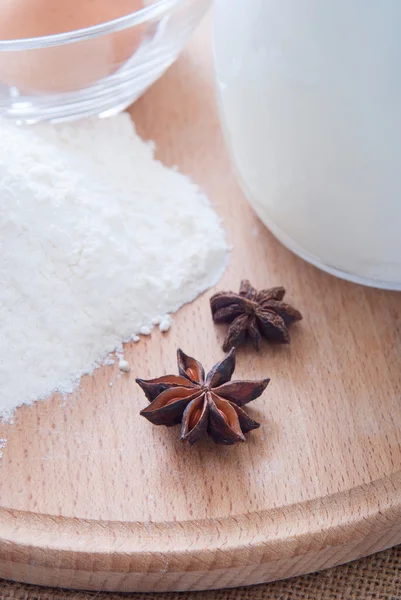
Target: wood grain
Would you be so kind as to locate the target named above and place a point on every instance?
(92, 496)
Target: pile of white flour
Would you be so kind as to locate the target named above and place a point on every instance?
(98, 242)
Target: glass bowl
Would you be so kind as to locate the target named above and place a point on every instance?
(99, 70)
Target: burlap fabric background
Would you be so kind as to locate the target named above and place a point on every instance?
(373, 578)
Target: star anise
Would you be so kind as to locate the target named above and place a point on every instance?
(203, 404)
(254, 314)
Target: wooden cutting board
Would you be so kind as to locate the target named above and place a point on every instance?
(92, 496)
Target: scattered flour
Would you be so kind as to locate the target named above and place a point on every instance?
(165, 323)
(3, 444)
(97, 240)
(123, 365)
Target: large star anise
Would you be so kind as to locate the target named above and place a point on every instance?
(253, 314)
(202, 404)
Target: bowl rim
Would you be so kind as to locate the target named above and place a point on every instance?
(155, 10)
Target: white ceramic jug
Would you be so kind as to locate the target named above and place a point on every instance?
(310, 98)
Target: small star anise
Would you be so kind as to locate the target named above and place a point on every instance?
(254, 314)
(202, 404)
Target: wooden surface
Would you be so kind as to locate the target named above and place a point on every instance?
(93, 496)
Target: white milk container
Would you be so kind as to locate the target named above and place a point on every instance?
(310, 99)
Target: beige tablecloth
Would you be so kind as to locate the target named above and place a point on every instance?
(374, 578)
